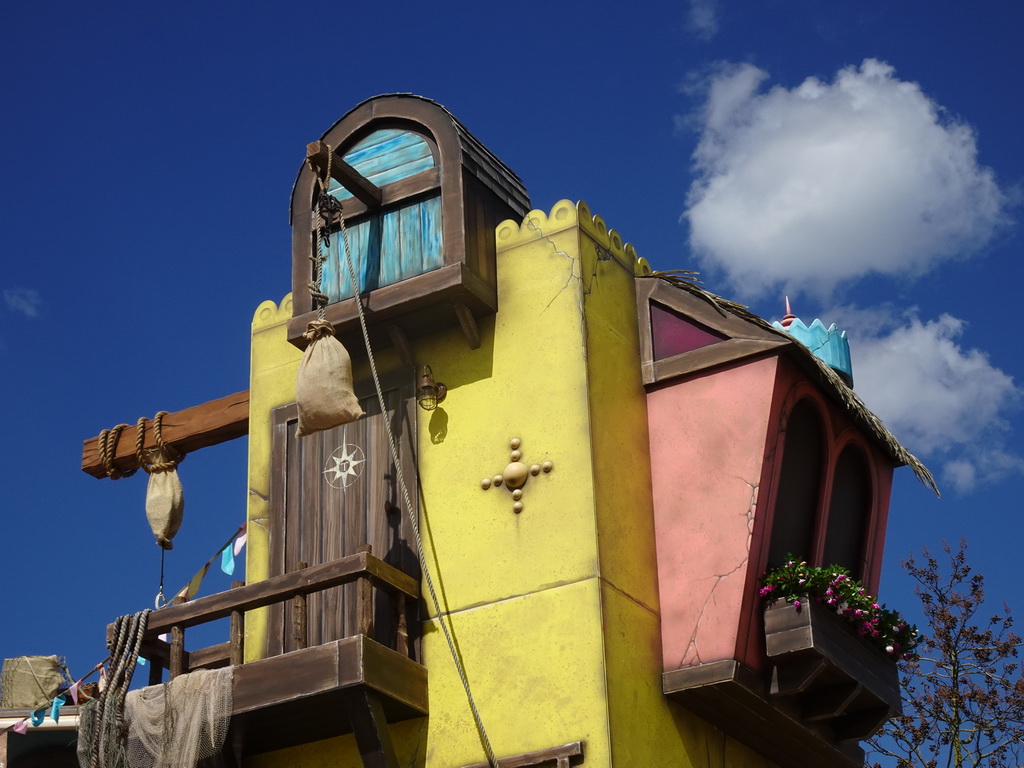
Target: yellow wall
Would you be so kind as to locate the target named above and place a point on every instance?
(274, 364)
(554, 610)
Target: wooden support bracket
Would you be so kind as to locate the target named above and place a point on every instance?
(370, 728)
(861, 725)
(361, 187)
(216, 421)
(829, 703)
(401, 344)
(790, 679)
(469, 327)
(563, 757)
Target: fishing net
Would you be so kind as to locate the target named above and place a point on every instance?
(177, 724)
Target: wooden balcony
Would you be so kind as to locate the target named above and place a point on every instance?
(351, 685)
(826, 689)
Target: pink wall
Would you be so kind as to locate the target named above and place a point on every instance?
(708, 437)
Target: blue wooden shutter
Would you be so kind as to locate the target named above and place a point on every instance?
(389, 245)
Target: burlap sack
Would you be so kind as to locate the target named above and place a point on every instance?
(323, 391)
(29, 682)
(165, 505)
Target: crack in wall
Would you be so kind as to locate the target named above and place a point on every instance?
(576, 263)
(691, 654)
(259, 495)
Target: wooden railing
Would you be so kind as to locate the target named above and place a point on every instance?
(362, 568)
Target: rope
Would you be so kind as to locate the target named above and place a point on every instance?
(108, 449)
(326, 207)
(164, 457)
(484, 740)
(107, 727)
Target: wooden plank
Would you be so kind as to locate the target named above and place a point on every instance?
(211, 657)
(188, 430)
(365, 190)
(699, 360)
(283, 587)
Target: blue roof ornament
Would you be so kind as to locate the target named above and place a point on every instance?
(829, 345)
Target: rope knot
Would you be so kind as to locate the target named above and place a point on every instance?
(318, 329)
(164, 457)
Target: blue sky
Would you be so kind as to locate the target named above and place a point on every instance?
(864, 158)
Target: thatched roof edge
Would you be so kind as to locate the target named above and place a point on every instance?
(830, 381)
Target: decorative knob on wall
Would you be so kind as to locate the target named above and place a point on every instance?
(516, 474)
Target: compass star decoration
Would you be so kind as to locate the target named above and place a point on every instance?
(344, 466)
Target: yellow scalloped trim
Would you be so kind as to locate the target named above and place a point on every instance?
(536, 224)
(610, 239)
(270, 313)
(563, 215)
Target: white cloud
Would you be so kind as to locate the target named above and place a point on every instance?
(947, 404)
(811, 187)
(702, 19)
(23, 300)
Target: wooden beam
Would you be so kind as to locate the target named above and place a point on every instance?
(361, 187)
(216, 421)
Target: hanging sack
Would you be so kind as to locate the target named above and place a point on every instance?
(29, 682)
(323, 391)
(165, 502)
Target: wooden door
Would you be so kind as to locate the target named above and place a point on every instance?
(333, 491)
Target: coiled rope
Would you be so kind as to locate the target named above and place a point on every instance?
(322, 208)
(106, 728)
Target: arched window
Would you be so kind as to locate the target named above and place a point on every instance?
(392, 243)
(796, 505)
(849, 510)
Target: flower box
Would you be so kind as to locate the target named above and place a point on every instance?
(834, 678)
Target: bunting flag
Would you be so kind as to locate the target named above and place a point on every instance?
(73, 692)
(58, 702)
(102, 684)
(240, 541)
(227, 560)
(37, 717)
(21, 727)
(191, 589)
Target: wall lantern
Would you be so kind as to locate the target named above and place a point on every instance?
(429, 393)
